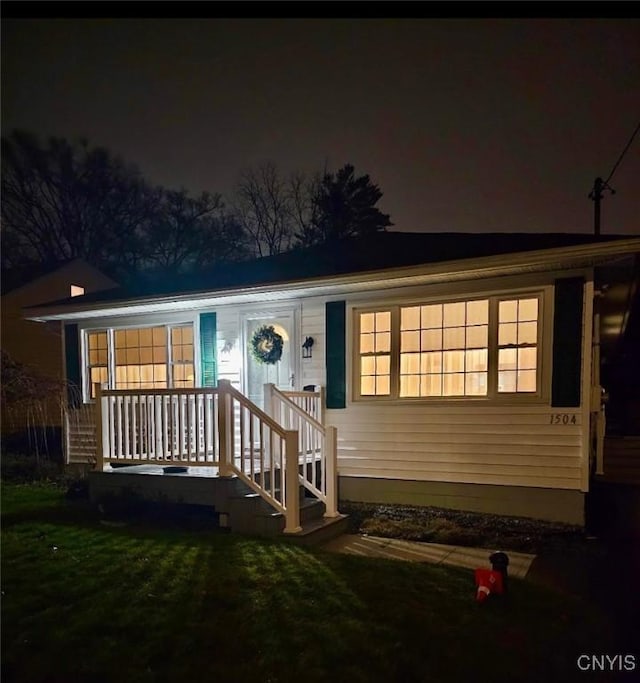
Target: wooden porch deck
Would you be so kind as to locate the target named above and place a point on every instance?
(232, 503)
(168, 470)
(183, 440)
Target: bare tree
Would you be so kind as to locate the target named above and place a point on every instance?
(190, 233)
(66, 200)
(304, 191)
(264, 208)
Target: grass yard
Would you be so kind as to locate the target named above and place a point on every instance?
(88, 600)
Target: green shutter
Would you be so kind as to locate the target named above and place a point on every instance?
(567, 343)
(335, 322)
(208, 358)
(72, 365)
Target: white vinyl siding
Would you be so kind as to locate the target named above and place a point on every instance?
(513, 445)
(313, 325)
(80, 434)
(229, 343)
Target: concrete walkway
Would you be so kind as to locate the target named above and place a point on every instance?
(435, 553)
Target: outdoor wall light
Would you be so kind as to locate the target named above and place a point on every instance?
(306, 347)
(227, 348)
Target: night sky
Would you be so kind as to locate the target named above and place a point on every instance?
(466, 125)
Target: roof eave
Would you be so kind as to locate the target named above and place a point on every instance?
(581, 256)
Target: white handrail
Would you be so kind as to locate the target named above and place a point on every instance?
(317, 449)
(202, 426)
(275, 447)
(157, 392)
(312, 402)
(241, 398)
(295, 408)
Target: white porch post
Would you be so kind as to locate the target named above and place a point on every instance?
(101, 432)
(321, 405)
(292, 484)
(225, 425)
(268, 399)
(331, 471)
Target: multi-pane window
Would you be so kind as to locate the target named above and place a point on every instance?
(375, 353)
(443, 349)
(98, 360)
(182, 369)
(474, 348)
(517, 345)
(140, 358)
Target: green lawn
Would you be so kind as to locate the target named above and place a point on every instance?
(84, 600)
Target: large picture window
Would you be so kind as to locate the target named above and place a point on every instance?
(156, 357)
(473, 348)
(443, 349)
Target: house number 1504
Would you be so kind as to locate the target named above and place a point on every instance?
(562, 419)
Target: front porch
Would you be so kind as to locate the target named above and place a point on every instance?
(263, 472)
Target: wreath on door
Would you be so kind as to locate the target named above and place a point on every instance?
(266, 345)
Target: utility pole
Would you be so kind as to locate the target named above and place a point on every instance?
(599, 186)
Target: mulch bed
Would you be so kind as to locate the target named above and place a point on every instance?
(456, 527)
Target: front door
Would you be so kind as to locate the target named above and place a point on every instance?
(282, 373)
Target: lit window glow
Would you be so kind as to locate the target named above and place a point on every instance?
(141, 358)
(460, 349)
(375, 353)
(517, 345)
(444, 349)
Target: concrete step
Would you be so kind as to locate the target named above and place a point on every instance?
(318, 531)
(253, 500)
(251, 514)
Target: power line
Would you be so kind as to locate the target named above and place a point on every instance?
(600, 185)
(624, 151)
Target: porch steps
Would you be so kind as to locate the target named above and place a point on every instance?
(249, 513)
(237, 507)
(321, 530)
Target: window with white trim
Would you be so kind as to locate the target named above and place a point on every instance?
(375, 350)
(456, 349)
(517, 345)
(157, 357)
(182, 368)
(97, 359)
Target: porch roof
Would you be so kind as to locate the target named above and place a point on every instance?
(381, 261)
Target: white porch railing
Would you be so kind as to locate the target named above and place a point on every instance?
(162, 426)
(202, 427)
(312, 402)
(317, 444)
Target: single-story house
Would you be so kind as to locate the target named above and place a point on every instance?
(39, 347)
(447, 369)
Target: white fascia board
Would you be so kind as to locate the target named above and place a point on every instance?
(449, 271)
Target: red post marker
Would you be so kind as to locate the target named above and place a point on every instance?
(488, 581)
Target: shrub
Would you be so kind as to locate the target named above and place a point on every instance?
(20, 468)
